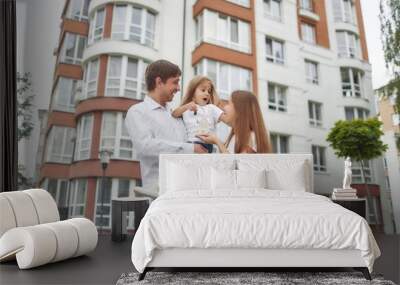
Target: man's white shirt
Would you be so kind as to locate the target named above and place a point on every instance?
(154, 130)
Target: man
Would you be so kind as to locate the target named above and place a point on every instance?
(151, 126)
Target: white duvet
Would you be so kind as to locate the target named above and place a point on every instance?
(253, 218)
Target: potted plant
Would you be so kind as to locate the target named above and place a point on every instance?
(360, 140)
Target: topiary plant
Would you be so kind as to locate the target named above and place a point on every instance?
(360, 140)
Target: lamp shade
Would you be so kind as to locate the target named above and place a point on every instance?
(105, 155)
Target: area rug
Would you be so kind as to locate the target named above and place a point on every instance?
(230, 278)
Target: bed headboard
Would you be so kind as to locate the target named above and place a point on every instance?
(238, 160)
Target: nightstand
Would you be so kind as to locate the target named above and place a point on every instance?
(120, 206)
(358, 205)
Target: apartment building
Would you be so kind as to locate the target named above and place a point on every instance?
(391, 130)
(307, 62)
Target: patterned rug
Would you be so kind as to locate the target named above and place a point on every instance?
(230, 278)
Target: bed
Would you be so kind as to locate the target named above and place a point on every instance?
(241, 210)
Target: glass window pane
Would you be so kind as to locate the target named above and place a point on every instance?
(115, 66)
(109, 123)
(100, 18)
(132, 68)
(212, 70)
(284, 144)
(136, 16)
(234, 31)
(123, 187)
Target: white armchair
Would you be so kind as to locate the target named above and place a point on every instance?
(31, 231)
(146, 192)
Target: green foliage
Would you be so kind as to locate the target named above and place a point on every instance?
(390, 32)
(24, 115)
(24, 102)
(358, 139)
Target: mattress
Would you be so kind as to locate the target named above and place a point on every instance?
(251, 219)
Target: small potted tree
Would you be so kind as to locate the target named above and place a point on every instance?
(360, 140)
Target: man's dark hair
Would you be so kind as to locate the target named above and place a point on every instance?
(160, 68)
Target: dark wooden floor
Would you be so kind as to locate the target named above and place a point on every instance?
(110, 260)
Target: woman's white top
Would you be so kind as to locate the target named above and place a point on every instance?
(205, 120)
(253, 144)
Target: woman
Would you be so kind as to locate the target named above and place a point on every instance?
(248, 134)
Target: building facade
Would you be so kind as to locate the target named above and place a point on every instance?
(306, 60)
(391, 130)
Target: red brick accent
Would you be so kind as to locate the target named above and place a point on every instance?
(361, 29)
(61, 119)
(120, 104)
(69, 70)
(94, 150)
(108, 20)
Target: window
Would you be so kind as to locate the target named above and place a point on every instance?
(344, 11)
(395, 119)
(77, 198)
(72, 49)
(114, 188)
(280, 143)
(90, 78)
(84, 137)
(277, 97)
(133, 23)
(96, 26)
(357, 174)
(272, 8)
(319, 158)
(78, 10)
(115, 136)
(315, 113)
(245, 3)
(307, 5)
(125, 77)
(223, 30)
(227, 78)
(351, 82)
(199, 28)
(348, 44)
(274, 50)
(311, 71)
(64, 95)
(308, 33)
(60, 145)
(352, 113)
(58, 188)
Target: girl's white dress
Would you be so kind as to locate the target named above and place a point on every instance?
(205, 120)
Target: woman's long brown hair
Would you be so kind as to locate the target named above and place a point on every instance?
(193, 84)
(248, 118)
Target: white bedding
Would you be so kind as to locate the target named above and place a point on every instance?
(252, 218)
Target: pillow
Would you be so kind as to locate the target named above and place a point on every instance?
(282, 174)
(293, 179)
(223, 179)
(251, 178)
(183, 177)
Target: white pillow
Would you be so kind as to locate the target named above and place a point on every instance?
(293, 179)
(223, 179)
(188, 177)
(282, 174)
(251, 178)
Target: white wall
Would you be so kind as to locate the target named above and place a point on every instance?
(393, 171)
(328, 92)
(38, 28)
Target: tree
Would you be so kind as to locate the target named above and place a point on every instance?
(360, 140)
(389, 17)
(24, 114)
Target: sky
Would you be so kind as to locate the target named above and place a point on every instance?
(380, 75)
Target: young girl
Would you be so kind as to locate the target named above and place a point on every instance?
(248, 134)
(199, 111)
